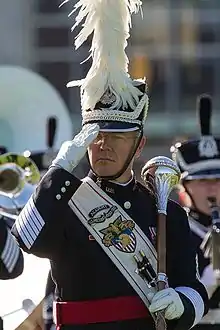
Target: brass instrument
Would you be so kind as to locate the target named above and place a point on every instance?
(18, 178)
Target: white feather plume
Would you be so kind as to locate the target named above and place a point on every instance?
(109, 21)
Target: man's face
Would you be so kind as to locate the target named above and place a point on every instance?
(200, 190)
(109, 152)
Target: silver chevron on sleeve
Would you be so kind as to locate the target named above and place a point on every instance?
(29, 223)
(10, 254)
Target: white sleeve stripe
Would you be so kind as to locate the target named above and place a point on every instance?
(8, 249)
(23, 226)
(28, 229)
(29, 223)
(37, 214)
(195, 299)
(14, 257)
(36, 224)
(31, 228)
(10, 253)
(21, 233)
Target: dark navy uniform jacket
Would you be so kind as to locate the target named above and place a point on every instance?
(47, 227)
(203, 262)
(11, 257)
(48, 303)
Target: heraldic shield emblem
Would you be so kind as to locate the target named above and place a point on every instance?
(120, 235)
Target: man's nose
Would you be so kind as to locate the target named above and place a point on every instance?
(103, 142)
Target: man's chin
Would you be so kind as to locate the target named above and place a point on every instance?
(105, 171)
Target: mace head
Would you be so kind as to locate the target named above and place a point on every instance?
(166, 175)
(161, 163)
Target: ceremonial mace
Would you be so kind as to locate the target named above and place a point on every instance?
(162, 174)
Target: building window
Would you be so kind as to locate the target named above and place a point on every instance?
(58, 76)
(48, 6)
(52, 37)
(206, 33)
(140, 67)
(195, 79)
(157, 87)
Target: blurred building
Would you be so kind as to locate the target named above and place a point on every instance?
(176, 46)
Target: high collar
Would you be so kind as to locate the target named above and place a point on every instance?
(111, 187)
(202, 218)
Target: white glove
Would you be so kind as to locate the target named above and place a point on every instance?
(168, 300)
(71, 152)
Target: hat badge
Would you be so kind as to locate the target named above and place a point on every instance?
(208, 147)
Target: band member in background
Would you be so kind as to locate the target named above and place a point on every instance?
(88, 228)
(199, 161)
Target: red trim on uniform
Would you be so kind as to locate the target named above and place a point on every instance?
(98, 311)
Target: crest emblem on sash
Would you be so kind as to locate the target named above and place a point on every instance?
(120, 235)
(101, 213)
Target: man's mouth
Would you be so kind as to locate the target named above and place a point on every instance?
(102, 159)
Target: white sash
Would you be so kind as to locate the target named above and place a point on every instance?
(198, 228)
(97, 212)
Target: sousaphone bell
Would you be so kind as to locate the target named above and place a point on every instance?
(19, 176)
